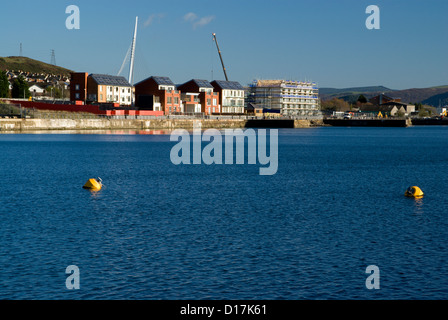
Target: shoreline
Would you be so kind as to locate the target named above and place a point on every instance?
(25, 125)
(108, 124)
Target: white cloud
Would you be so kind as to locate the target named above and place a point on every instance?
(152, 18)
(190, 17)
(203, 21)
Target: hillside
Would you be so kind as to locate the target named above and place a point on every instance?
(351, 91)
(432, 96)
(30, 65)
(439, 99)
(421, 95)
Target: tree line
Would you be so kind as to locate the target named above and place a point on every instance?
(20, 88)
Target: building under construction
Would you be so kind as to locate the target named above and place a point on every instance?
(293, 98)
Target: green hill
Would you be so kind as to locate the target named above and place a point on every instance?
(30, 65)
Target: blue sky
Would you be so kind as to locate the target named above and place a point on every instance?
(323, 41)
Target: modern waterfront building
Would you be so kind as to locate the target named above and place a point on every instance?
(294, 98)
(198, 97)
(161, 91)
(231, 96)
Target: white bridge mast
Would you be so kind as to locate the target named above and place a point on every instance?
(131, 69)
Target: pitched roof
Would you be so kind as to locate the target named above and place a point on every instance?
(202, 83)
(199, 83)
(396, 103)
(104, 79)
(159, 80)
(232, 85)
(163, 81)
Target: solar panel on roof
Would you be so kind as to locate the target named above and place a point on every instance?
(203, 83)
(104, 79)
(163, 81)
(233, 85)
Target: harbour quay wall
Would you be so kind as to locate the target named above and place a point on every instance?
(430, 122)
(143, 124)
(283, 123)
(112, 124)
(368, 122)
(189, 124)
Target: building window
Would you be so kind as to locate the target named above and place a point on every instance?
(101, 97)
(77, 87)
(77, 96)
(176, 100)
(101, 88)
(169, 100)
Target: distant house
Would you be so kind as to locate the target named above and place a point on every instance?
(36, 90)
(254, 109)
(231, 96)
(161, 89)
(388, 105)
(390, 109)
(198, 96)
(404, 107)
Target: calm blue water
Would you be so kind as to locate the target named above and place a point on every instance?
(159, 231)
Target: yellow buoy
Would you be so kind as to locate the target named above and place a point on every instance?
(94, 184)
(414, 192)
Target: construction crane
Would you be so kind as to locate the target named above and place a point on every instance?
(220, 56)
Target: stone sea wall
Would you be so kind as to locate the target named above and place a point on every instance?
(116, 124)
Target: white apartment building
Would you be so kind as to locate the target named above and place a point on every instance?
(231, 96)
(292, 98)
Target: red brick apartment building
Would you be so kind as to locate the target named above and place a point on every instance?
(199, 91)
(160, 89)
(78, 86)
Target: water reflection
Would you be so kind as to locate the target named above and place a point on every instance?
(95, 194)
(418, 206)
